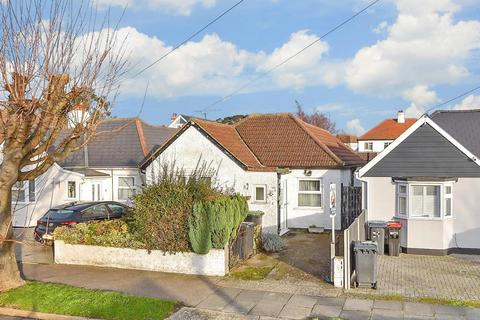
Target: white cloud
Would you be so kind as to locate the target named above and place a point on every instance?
(382, 26)
(424, 46)
(355, 126)
(469, 103)
(420, 97)
(212, 65)
(328, 107)
(305, 69)
(181, 7)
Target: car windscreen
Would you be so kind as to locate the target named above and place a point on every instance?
(57, 214)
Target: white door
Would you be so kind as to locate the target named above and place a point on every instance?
(96, 192)
(283, 207)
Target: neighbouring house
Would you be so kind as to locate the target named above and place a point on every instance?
(283, 164)
(429, 180)
(350, 140)
(178, 120)
(105, 169)
(379, 137)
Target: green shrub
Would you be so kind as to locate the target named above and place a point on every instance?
(272, 242)
(108, 233)
(199, 229)
(221, 222)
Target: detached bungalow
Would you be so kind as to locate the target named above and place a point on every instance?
(283, 164)
(106, 169)
(429, 179)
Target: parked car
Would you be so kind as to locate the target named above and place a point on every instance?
(73, 213)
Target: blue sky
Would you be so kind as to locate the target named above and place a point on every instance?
(397, 55)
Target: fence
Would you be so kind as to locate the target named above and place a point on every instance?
(241, 248)
(351, 204)
(355, 232)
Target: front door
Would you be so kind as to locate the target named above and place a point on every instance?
(96, 192)
(283, 207)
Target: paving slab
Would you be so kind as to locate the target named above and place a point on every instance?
(276, 297)
(240, 306)
(389, 305)
(385, 314)
(355, 315)
(331, 301)
(358, 305)
(328, 311)
(201, 314)
(448, 317)
(418, 309)
(219, 299)
(295, 312)
(449, 310)
(269, 309)
(302, 301)
(250, 295)
(472, 314)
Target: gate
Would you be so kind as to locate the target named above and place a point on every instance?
(351, 205)
(241, 247)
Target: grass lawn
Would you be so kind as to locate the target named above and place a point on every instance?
(68, 300)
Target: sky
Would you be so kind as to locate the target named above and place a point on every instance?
(398, 55)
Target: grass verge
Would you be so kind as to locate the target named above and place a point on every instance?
(74, 301)
(448, 302)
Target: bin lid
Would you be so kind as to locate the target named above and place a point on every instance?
(394, 225)
(377, 224)
(365, 245)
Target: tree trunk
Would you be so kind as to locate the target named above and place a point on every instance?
(9, 273)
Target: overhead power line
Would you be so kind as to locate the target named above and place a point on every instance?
(188, 39)
(270, 70)
(452, 99)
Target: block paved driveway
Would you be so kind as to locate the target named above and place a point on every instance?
(448, 277)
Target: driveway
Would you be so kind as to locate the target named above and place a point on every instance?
(28, 250)
(445, 277)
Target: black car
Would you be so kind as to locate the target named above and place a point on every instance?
(71, 214)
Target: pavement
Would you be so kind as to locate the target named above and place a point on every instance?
(204, 293)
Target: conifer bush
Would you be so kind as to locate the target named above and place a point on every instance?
(199, 229)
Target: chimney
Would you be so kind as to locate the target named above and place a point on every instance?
(174, 116)
(401, 117)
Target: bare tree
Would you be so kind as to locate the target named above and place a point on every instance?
(316, 118)
(59, 65)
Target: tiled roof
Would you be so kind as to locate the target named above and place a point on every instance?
(283, 140)
(347, 138)
(229, 139)
(120, 143)
(388, 129)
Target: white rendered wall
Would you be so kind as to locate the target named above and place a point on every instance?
(378, 145)
(461, 230)
(214, 263)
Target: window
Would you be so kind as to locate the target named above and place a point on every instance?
(71, 189)
(96, 211)
(260, 194)
(116, 209)
(18, 192)
(402, 199)
(425, 201)
(310, 193)
(126, 188)
(386, 144)
(448, 201)
(368, 146)
(31, 190)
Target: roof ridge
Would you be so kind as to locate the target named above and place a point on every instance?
(141, 136)
(246, 145)
(301, 124)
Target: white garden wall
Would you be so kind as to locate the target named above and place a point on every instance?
(214, 263)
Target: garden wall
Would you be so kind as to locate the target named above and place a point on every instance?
(214, 263)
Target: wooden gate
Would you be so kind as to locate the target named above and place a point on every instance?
(351, 204)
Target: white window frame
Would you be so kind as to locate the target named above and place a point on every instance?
(16, 188)
(262, 186)
(125, 188)
(386, 144)
(402, 195)
(365, 144)
(76, 189)
(410, 185)
(320, 192)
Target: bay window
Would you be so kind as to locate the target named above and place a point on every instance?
(310, 193)
(424, 199)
